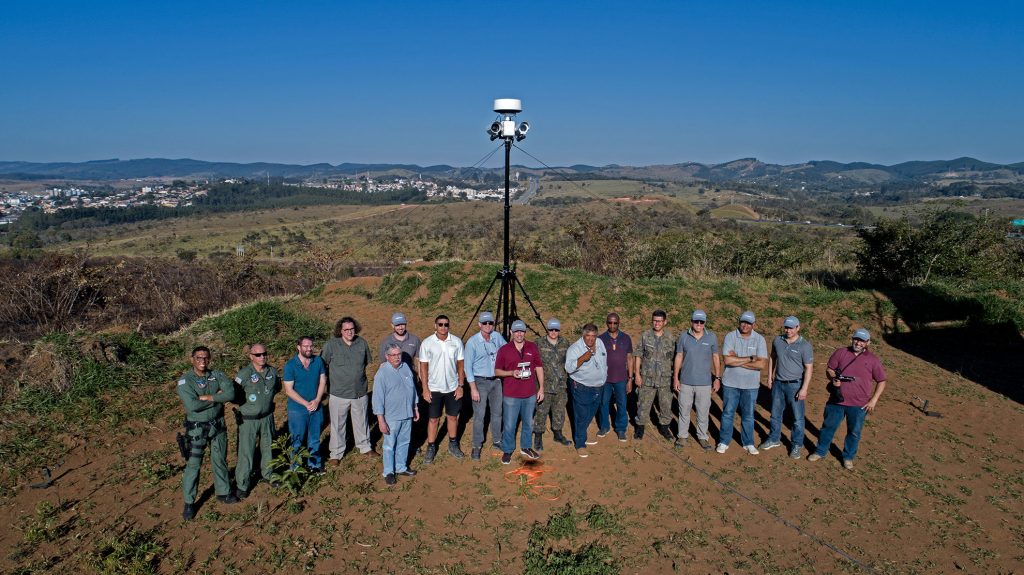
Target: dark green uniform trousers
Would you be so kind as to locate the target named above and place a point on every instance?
(251, 431)
(215, 434)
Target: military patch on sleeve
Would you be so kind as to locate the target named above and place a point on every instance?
(181, 381)
(238, 380)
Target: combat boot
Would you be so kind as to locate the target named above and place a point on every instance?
(638, 433)
(189, 512)
(559, 438)
(665, 432)
(538, 441)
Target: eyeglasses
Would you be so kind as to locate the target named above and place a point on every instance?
(484, 323)
(442, 325)
(698, 321)
(553, 329)
(348, 329)
(264, 354)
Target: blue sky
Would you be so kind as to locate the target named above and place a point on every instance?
(601, 82)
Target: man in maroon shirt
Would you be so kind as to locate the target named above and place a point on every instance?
(853, 371)
(518, 363)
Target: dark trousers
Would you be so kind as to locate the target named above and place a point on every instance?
(585, 402)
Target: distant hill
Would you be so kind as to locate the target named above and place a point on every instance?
(824, 173)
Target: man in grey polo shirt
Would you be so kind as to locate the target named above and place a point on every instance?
(484, 388)
(346, 356)
(790, 366)
(586, 362)
(695, 376)
(746, 354)
(406, 340)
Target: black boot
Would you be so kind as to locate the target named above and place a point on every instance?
(189, 512)
(638, 433)
(538, 441)
(665, 432)
(559, 438)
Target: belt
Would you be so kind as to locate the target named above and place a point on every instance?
(216, 423)
(787, 381)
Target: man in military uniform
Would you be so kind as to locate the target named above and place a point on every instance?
(257, 383)
(653, 371)
(204, 393)
(552, 355)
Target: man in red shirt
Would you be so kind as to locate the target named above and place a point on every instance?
(858, 380)
(519, 365)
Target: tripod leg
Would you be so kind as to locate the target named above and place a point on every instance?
(483, 300)
(529, 301)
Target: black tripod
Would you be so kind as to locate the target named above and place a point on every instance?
(506, 312)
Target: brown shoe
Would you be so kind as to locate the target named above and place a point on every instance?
(371, 453)
(334, 462)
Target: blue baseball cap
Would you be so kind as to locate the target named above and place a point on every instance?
(398, 318)
(862, 334)
(486, 316)
(699, 315)
(791, 321)
(519, 325)
(747, 316)
(554, 324)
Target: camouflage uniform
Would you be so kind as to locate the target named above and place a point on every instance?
(255, 421)
(553, 359)
(656, 355)
(204, 423)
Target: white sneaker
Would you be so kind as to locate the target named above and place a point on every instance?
(721, 448)
(751, 449)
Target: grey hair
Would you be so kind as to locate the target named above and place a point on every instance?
(392, 346)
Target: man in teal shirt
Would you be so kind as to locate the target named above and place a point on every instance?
(257, 383)
(204, 393)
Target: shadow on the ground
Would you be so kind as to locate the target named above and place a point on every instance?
(955, 333)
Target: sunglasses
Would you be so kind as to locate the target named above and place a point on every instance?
(700, 321)
(264, 354)
(553, 329)
(442, 325)
(487, 323)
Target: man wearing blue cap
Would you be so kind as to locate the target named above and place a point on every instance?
(484, 388)
(790, 366)
(696, 374)
(553, 348)
(522, 370)
(406, 340)
(746, 354)
(851, 371)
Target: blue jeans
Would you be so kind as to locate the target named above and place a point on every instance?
(585, 402)
(305, 428)
(745, 400)
(512, 410)
(396, 445)
(618, 389)
(784, 394)
(834, 415)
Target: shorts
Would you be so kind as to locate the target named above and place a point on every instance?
(447, 400)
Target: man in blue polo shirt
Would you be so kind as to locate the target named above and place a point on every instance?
(484, 388)
(305, 383)
(790, 366)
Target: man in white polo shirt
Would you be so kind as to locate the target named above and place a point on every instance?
(442, 376)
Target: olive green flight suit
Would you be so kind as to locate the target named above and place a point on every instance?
(256, 393)
(204, 424)
(555, 379)
(656, 355)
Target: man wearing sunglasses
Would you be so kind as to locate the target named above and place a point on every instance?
(484, 388)
(256, 384)
(552, 354)
(696, 374)
(746, 353)
(442, 375)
